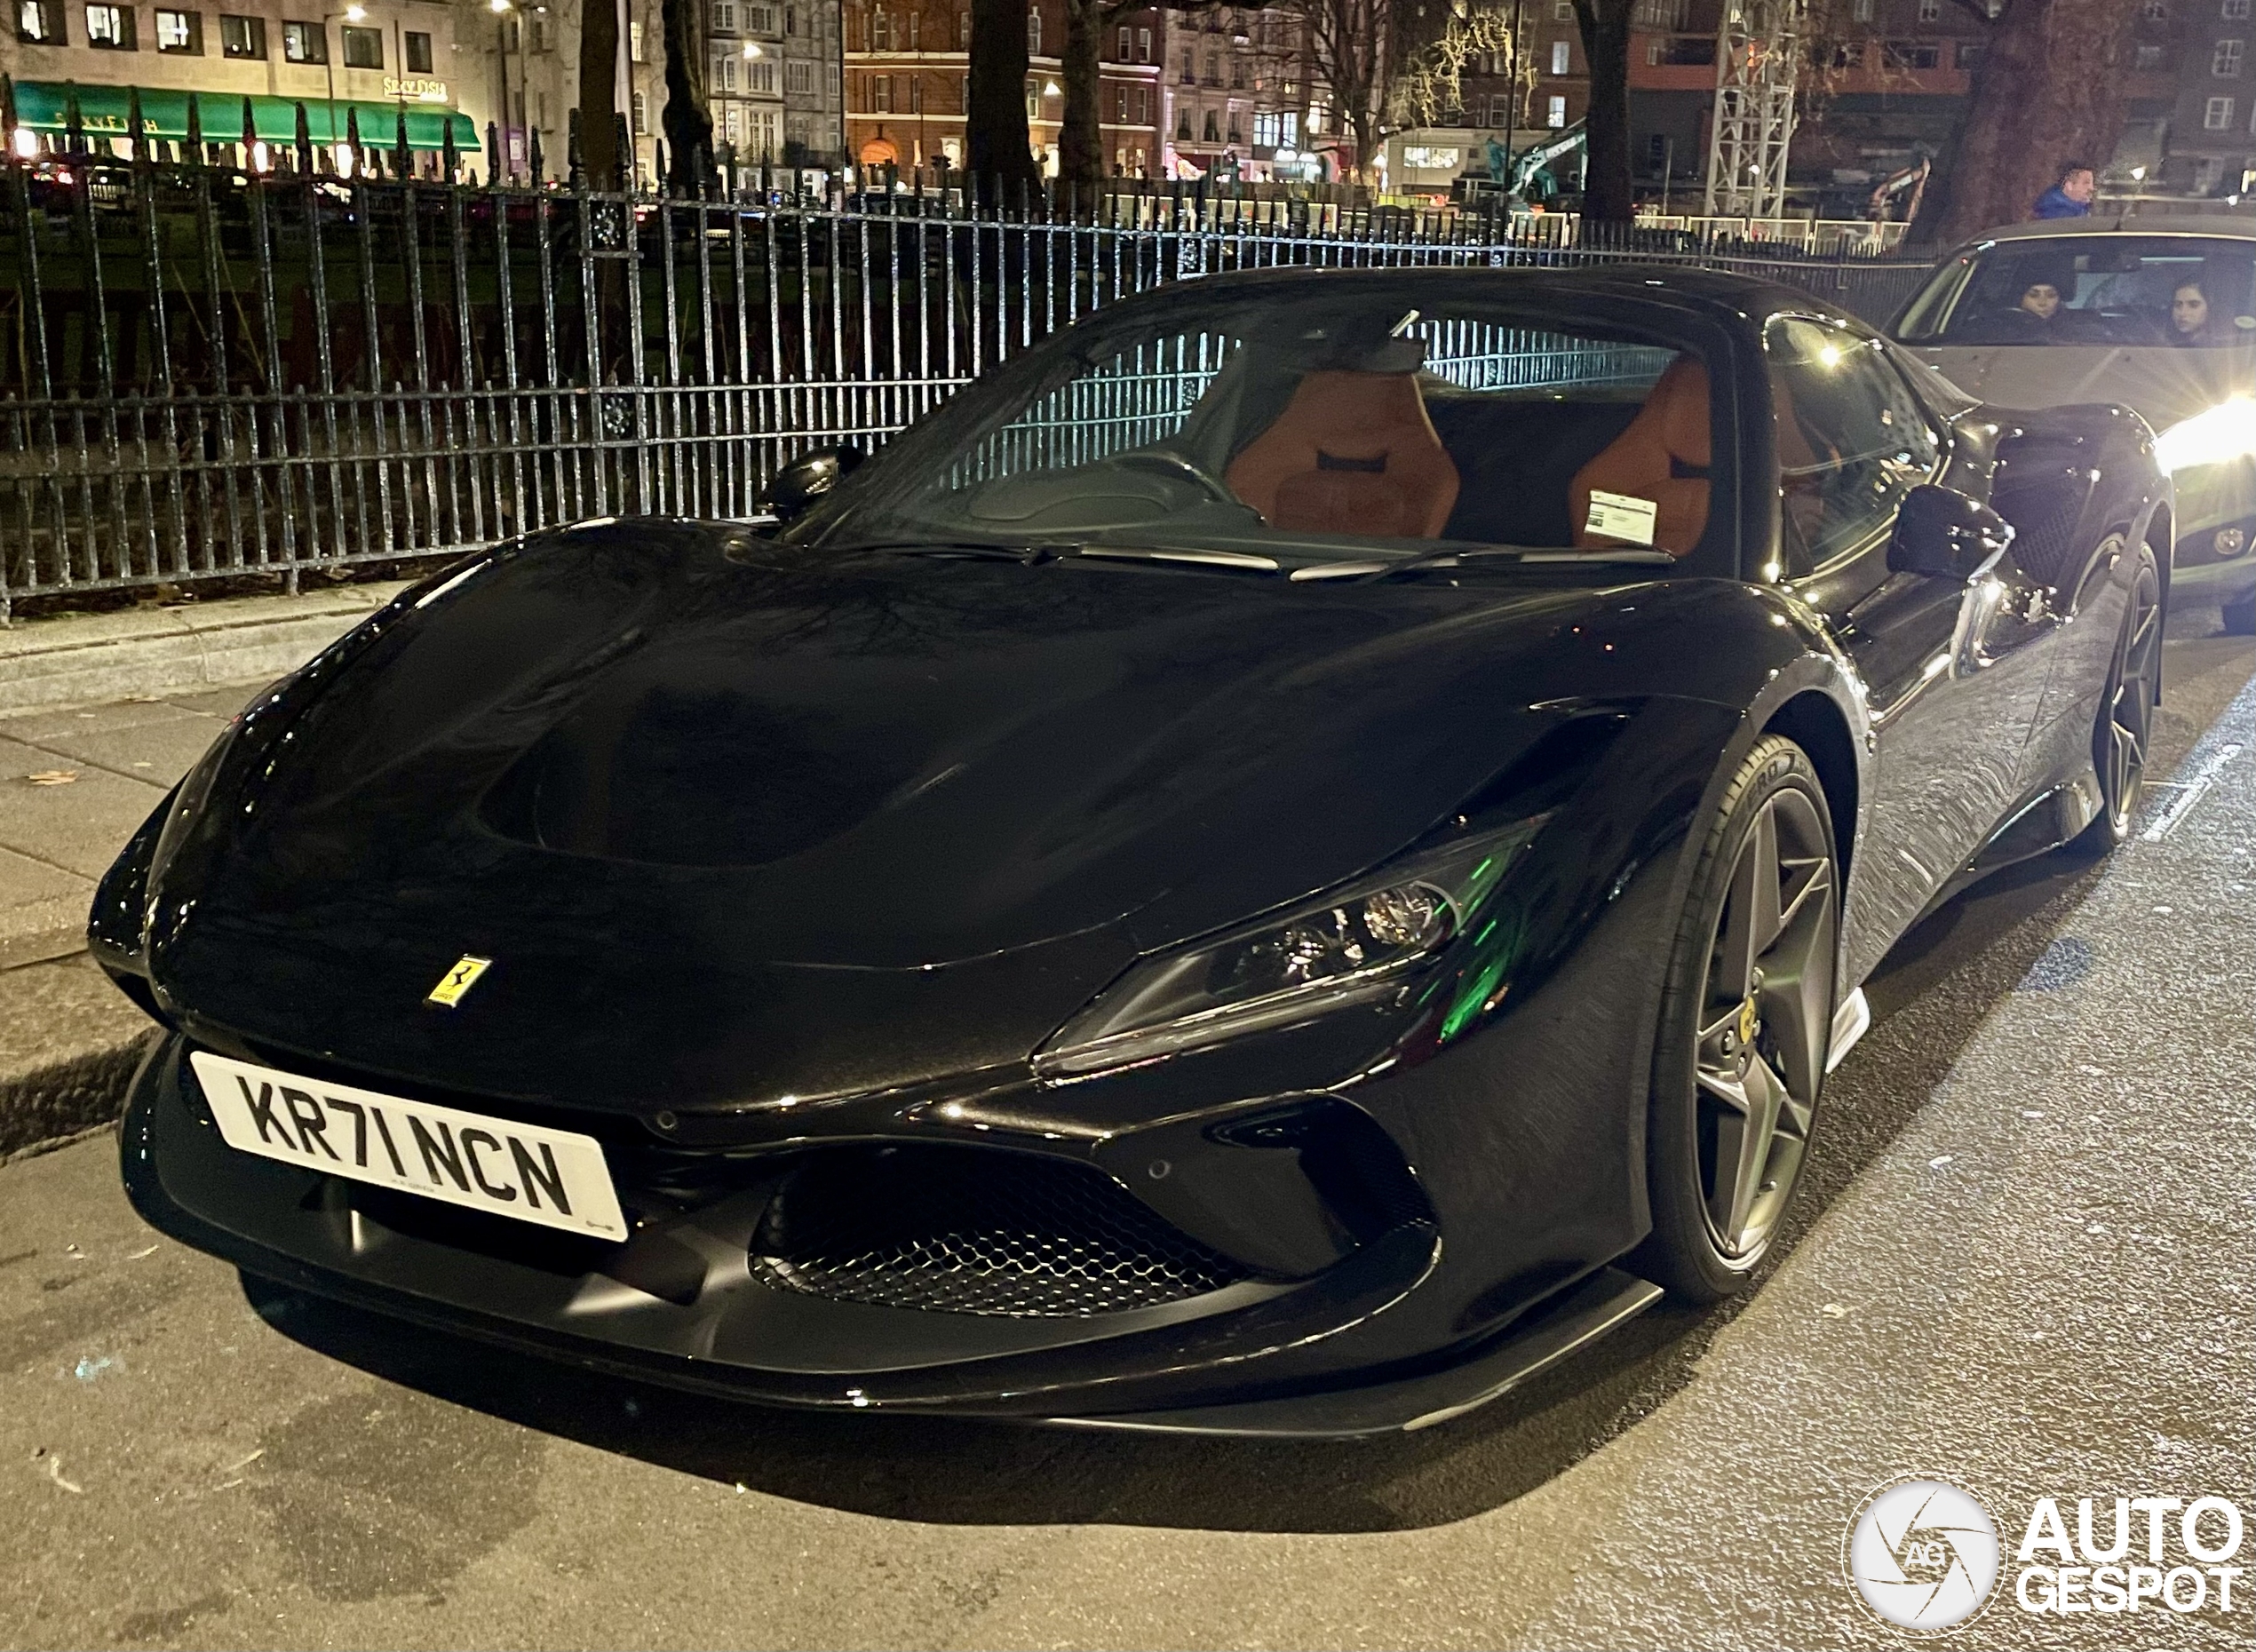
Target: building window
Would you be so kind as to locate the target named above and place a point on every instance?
(1212, 132)
(2236, 10)
(2219, 115)
(1120, 104)
(110, 27)
(760, 20)
(1931, 11)
(2225, 61)
(1127, 37)
(1555, 115)
(724, 16)
(363, 47)
(1143, 45)
(1970, 53)
(1911, 54)
(1034, 33)
(963, 31)
(242, 36)
(1182, 126)
(1562, 10)
(881, 93)
(638, 113)
(634, 42)
(762, 75)
(1861, 10)
(799, 77)
(1562, 57)
(40, 22)
(180, 32)
(791, 21)
(2156, 10)
(304, 43)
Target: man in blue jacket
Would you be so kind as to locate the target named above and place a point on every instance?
(2071, 197)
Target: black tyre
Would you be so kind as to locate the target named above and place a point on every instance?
(2126, 720)
(1744, 1028)
(2240, 617)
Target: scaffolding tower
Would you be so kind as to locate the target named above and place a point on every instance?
(1758, 59)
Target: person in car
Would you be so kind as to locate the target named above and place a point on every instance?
(2042, 300)
(2191, 324)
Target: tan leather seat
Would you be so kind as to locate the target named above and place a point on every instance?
(1352, 453)
(1662, 457)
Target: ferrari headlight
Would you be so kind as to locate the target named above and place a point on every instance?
(1352, 947)
(2225, 433)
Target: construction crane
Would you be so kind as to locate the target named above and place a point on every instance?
(1757, 58)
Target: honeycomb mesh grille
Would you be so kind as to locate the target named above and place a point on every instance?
(955, 1230)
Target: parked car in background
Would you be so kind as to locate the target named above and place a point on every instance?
(2157, 313)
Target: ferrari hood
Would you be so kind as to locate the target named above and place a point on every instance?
(739, 807)
(2162, 384)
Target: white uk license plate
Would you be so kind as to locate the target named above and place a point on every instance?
(552, 1177)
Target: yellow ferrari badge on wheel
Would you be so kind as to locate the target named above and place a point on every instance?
(458, 980)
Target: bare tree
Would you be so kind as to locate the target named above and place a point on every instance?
(688, 119)
(1608, 198)
(997, 150)
(1430, 88)
(600, 92)
(1347, 44)
(2050, 89)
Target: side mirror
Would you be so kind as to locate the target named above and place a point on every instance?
(799, 486)
(1945, 535)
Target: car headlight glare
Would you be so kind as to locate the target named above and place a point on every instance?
(1353, 948)
(2225, 433)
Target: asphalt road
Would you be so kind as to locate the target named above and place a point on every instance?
(2022, 1263)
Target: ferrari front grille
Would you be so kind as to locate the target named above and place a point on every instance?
(958, 1230)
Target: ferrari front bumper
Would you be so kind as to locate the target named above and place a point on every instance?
(682, 1303)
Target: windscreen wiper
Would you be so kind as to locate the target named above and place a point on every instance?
(1030, 554)
(1503, 553)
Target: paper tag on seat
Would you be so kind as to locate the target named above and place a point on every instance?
(1621, 516)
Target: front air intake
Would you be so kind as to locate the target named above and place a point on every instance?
(968, 1230)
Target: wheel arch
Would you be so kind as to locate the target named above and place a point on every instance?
(1812, 722)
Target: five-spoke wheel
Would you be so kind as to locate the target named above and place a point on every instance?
(1746, 1028)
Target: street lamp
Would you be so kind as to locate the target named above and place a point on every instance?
(354, 13)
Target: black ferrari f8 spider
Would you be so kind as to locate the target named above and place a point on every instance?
(1289, 857)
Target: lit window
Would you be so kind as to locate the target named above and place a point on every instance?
(180, 32)
(2218, 116)
(634, 42)
(2225, 61)
(2236, 10)
(1555, 115)
(304, 43)
(110, 27)
(1562, 57)
(40, 22)
(363, 47)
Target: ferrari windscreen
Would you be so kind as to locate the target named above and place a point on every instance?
(2193, 291)
(1328, 426)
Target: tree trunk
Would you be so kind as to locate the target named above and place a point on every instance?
(997, 151)
(1081, 148)
(599, 93)
(1607, 195)
(688, 119)
(2050, 90)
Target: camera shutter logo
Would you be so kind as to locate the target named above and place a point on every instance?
(1923, 1554)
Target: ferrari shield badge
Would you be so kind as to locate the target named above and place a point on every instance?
(458, 980)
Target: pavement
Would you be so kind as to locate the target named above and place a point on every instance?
(2022, 1261)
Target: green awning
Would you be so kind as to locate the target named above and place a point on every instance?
(105, 111)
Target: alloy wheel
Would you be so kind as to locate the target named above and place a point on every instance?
(2127, 718)
(1766, 1020)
